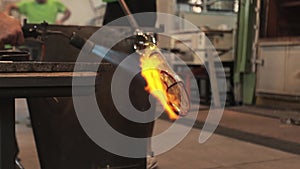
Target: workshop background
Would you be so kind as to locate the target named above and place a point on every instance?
(258, 42)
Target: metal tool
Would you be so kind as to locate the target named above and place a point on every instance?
(130, 17)
(42, 31)
(146, 42)
(18, 164)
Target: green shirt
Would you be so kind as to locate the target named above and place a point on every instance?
(37, 13)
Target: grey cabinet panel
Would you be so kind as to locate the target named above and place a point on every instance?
(280, 72)
(293, 70)
(271, 75)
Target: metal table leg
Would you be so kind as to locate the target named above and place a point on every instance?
(8, 149)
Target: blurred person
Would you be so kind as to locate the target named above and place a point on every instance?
(114, 11)
(10, 31)
(38, 11)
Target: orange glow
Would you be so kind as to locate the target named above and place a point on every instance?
(155, 84)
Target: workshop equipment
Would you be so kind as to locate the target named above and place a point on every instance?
(61, 141)
(162, 82)
(14, 55)
(28, 80)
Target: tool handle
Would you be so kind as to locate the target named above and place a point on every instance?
(77, 41)
(127, 11)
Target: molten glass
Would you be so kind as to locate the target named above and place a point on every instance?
(162, 82)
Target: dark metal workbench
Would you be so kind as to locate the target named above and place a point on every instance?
(31, 79)
(60, 140)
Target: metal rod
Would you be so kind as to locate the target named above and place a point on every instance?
(127, 11)
(256, 35)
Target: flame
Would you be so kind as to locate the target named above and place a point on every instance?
(155, 84)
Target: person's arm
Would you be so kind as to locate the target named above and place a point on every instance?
(65, 17)
(10, 31)
(10, 7)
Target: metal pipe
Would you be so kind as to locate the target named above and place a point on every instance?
(127, 11)
(256, 35)
(18, 164)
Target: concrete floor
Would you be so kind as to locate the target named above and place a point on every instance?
(222, 151)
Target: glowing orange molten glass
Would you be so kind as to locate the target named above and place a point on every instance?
(150, 64)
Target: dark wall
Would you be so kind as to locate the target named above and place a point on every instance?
(280, 18)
